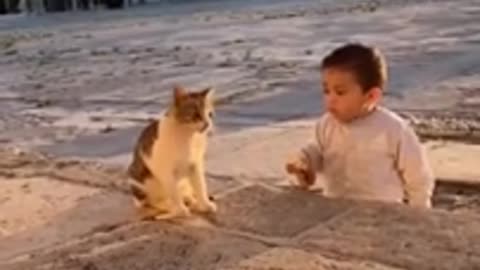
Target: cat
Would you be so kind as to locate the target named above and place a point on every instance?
(167, 171)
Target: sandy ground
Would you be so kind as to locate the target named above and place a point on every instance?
(80, 84)
(62, 78)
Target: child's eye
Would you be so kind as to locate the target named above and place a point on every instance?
(340, 92)
(210, 115)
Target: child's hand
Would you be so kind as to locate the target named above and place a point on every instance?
(300, 168)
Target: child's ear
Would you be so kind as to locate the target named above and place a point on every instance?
(375, 94)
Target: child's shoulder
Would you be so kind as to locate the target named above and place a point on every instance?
(391, 120)
(390, 115)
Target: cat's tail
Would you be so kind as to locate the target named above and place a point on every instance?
(138, 174)
(137, 168)
(138, 192)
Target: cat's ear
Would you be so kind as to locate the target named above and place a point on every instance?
(178, 93)
(208, 93)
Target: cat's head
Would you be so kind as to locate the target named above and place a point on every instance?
(194, 109)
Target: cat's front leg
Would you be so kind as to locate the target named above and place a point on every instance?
(200, 192)
(176, 204)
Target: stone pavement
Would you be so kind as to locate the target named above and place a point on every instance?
(264, 228)
(262, 223)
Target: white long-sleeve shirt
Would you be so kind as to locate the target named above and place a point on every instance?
(378, 157)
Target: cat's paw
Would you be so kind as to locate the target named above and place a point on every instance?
(207, 207)
(179, 212)
(182, 211)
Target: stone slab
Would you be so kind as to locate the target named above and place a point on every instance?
(148, 245)
(456, 196)
(257, 154)
(103, 210)
(296, 259)
(31, 202)
(401, 237)
(283, 214)
(455, 161)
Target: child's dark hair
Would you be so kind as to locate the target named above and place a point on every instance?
(366, 63)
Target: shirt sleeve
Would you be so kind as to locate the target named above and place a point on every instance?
(414, 169)
(312, 152)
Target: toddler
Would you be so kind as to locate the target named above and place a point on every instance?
(364, 150)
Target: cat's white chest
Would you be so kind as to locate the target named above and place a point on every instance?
(178, 151)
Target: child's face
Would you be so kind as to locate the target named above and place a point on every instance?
(344, 97)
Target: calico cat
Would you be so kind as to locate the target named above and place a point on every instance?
(167, 170)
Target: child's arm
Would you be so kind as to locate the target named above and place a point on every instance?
(313, 154)
(415, 170)
(307, 162)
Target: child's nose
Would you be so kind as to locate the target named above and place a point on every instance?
(330, 100)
